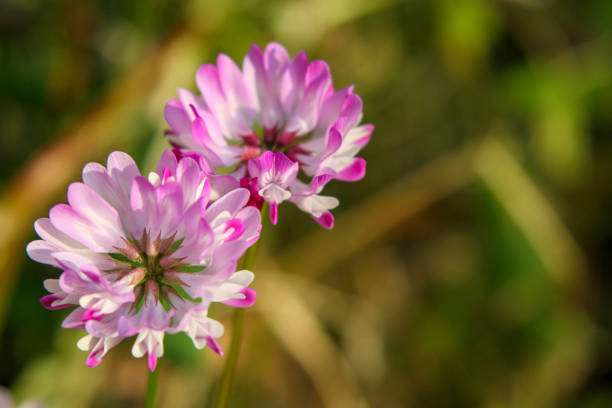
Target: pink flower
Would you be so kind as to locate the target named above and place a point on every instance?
(146, 256)
(273, 104)
(274, 173)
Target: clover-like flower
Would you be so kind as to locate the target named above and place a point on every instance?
(287, 107)
(146, 256)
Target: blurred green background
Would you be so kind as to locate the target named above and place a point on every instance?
(470, 268)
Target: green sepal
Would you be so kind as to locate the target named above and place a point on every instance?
(174, 247)
(227, 170)
(122, 258)
(140, 303)
(181, 292)
(188, 268)
(258, 130)
(165, 304)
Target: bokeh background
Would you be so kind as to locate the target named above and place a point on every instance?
(470, 268)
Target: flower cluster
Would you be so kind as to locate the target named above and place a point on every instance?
(145, 256)
(277, 126)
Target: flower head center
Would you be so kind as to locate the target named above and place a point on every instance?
(152, 268)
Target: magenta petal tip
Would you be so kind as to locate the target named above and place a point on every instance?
(91, 314)
(355, 172)
(273, 213)
(214, 346)
(92, 361)
(249, 298)
(237, 227)
(326, 220)
(152, 362)
(48, 300)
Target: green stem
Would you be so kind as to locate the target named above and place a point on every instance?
(229, 369)
(227, 377)
(151, 398)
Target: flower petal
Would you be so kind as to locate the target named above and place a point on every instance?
(354, 172)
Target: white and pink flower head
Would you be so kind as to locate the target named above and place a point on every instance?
(144, 256)
(277, 127)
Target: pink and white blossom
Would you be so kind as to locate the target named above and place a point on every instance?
(287, 106)
(145, 256)
(274, 173)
